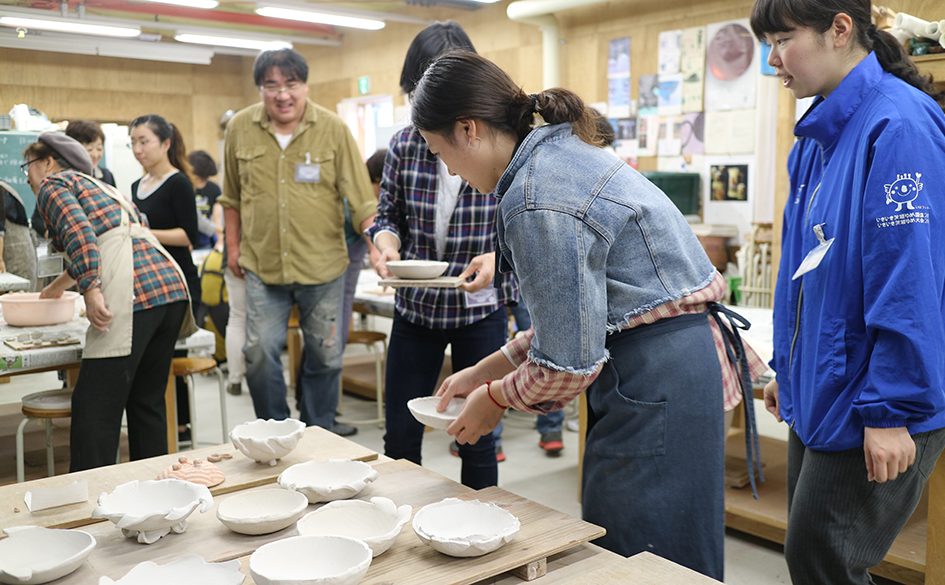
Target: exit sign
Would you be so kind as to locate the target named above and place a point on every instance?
(364, 85)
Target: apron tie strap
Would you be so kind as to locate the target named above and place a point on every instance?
(735, 350)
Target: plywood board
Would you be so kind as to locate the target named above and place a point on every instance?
(241, 473)
(440, 282)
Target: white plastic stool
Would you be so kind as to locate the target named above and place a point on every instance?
(46, 406)
(371, 340)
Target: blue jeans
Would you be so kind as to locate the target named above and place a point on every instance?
(654, 462)
(267, 316)
(414, 359)
(551, 422)
(356, 252)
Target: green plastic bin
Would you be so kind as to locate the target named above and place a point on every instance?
(681, 188)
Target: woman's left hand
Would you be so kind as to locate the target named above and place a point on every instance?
(479, 416)
(483, 267)
(888, 452)
(96, 310)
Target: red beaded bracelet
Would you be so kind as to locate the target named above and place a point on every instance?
(492, 398)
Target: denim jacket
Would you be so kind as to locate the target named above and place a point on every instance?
(592, 243)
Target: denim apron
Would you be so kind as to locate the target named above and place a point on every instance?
(654, 458)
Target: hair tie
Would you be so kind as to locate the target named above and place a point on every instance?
(872, 32)
(534, 98)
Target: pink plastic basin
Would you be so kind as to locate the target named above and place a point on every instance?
(22, 309)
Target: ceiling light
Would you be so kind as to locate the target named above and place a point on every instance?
(207, 4)
(237, 43)
(73, 26)
(331, 18)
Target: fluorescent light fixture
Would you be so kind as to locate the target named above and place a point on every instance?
(331, 18)
(107, 47)
(73, 26)
(207, 4)
(237, 43)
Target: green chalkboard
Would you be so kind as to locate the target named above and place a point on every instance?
(12, 145)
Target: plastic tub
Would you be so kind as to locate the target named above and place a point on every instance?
(22, 309)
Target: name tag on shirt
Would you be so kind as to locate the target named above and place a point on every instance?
(815, 256)
(481, 298)
(308, 173)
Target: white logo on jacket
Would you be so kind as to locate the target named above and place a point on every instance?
(904, 190)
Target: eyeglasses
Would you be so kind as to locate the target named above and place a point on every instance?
(25, 167)
(273, 90)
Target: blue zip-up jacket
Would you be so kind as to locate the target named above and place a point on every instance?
(860, 340)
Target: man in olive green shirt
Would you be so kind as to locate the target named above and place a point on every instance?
(289, 165)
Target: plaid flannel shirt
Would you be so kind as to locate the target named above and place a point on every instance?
(533, 388)
(76, 211)
(407, 208)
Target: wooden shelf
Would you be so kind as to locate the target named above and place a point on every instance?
(767, 517)
(933, 65)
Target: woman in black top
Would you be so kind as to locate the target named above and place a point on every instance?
(165, 196)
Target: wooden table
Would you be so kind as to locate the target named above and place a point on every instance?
(544, 532)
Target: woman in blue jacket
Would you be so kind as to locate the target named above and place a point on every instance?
(859, 316)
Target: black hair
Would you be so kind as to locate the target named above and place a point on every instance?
(202, 163)
(85, 131)
(463, 85)
(164, 130)
(771, 16)
(288, 61)
(375, 165)
(429, 44)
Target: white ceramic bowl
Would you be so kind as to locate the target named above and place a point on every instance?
(462, 528)
(311, 560)
(424, 410)
(148, 510)
(26, 309)
(377, 523)
(261, 511)
(267, 441)
(32, 554)
(417, 269)
(324, 481)
(186, 569)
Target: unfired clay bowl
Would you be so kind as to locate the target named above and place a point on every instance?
(261, 511)
(377, 523)
(424, 410)
(267, 441)
(417, 269)
(311, 560)
(465, 529)
(32, 554)
(185, 570)
(148, 510)
(324, 481)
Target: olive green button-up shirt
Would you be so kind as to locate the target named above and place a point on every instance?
(292, 228)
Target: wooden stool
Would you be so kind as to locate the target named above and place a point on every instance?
(46, 406)
(370, 339)
(186, 367)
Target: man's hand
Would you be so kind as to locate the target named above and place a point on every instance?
(233, 260)
(888, 452)
(771, 399)
(483, 267)
(96, 310)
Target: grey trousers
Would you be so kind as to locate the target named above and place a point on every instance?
(839, 524)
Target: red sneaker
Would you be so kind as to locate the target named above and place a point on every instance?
(499, 455)
(551, 443)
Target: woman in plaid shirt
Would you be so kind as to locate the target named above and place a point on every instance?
(111, 259)
(426, 213)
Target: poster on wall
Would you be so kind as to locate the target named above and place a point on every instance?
(728, 181)
(669, 143)
(618, 77)
(648, 133)
(731, 70)
(648, 99)
(692, 67)
(669, 52)
(624, 128)
(730, 132)
(692, 134)
(669, 95)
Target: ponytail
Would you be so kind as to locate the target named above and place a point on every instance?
(463, 85)
(164, 130)
(892, 56)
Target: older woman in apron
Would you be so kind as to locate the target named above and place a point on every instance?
(136, 300)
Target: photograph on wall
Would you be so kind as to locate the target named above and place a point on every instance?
(618, 77)
(692, 134)
(669, 95)
(731, 70)
(669, 143)
(692, 67)
(648, 134)
(669, 52)
(728, 182)
(648, 100)
(624, 128)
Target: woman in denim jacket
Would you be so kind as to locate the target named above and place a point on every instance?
(619, 290)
